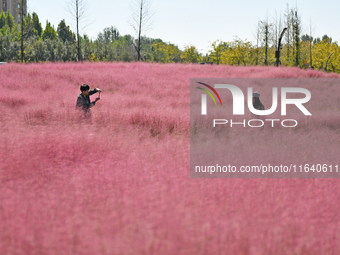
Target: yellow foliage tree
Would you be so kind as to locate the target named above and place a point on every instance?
(240, 52)
(218, 47)
(190, 55)
(165, 53)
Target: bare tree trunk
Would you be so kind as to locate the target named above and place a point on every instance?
(293, 32)
(141, 19)
(77, 10)
(266, 43)
(257, 42)
(278, 52)
(77, 21)
(296, 31)
(140, 30)
(266, 37)
(276, 30)
(288, 26)
(310, 45)
(22, 14)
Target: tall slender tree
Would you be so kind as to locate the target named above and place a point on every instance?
(310, 45)
(64, 32)
(2, 19)
(49, 32)
(10, 20)
(288, 25)
(22, 17)
(141, 21)
(77, 10)
(258, 37)
(36, 23)
(296, 24)
(266, 28)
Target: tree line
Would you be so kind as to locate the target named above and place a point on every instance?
(61, 44)
(296, 48)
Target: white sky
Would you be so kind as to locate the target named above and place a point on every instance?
(194, 22)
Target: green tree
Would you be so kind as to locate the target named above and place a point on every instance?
(87, 47)
(306, 38)
(266, 32)
(123, 48)
(327, 38)
(316, 40)
(10, 20)
(2, 19)
(110, 34)
(49, 32)
(296, 23)
(51, 47)
(36, 24)
(8, 38)
(105, 42)
(64, 32)
(40, 51)
(29, 30)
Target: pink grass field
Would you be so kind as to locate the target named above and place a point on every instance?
(119, 184)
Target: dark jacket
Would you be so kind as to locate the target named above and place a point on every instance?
(85, 103)
(257, 104)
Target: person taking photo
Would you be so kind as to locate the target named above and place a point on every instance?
(83, 101)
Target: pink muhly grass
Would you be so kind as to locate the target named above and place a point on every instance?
(119, 184)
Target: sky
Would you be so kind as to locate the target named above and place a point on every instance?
(194, 22)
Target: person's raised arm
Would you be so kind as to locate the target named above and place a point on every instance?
(93, 91)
